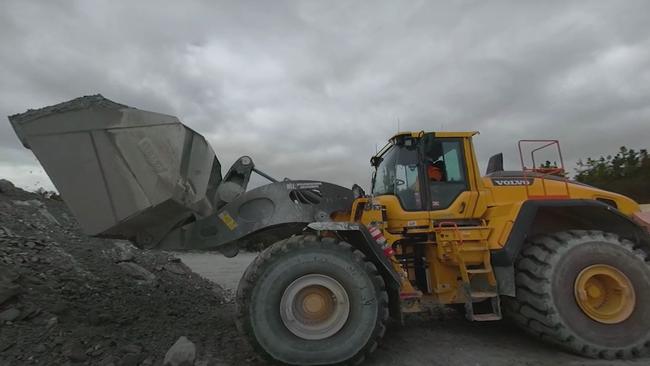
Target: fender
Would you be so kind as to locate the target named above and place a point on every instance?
(359, 236)
(580, 214)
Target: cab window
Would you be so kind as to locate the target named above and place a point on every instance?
(445, 166)
(452, 156)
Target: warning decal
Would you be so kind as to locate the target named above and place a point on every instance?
(228, 220)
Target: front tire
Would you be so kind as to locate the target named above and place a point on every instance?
(308, 300)
(587, 291)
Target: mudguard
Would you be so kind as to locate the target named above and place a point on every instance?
(578, 214)
(359, 236)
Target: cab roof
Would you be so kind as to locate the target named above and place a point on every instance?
(401, 136)
(417, 134)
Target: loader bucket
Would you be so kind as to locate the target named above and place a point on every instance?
(124, 172)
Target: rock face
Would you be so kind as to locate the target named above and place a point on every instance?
(66, 299)
(182, 353)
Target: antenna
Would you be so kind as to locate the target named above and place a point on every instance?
(398, 125)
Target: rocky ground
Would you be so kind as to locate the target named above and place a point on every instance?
(69, 299)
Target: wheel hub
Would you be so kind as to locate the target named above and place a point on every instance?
(314, 307)
(605, 294)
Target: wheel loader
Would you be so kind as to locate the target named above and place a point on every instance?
(567, 262)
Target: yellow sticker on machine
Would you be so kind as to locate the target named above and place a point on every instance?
(228, 220)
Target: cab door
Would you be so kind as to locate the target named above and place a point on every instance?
(451, 195)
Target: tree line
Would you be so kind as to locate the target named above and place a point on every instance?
(627, 172)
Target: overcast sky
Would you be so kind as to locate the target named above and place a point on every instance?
(310, 88)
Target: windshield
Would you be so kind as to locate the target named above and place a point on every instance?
(398, 174)
(384, 182)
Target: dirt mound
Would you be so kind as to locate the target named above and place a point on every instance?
(69, 299)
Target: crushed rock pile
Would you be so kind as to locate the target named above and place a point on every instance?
(69, 299)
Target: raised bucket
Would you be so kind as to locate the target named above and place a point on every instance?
(123, 172)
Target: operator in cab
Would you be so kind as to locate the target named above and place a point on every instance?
(436, 171)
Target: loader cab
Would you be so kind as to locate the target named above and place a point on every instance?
(427, 172)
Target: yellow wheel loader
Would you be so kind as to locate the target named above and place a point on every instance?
(567, 262)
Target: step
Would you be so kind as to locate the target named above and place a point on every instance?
(482, 294)
(479, 270)
(410, 295)
(486, 317)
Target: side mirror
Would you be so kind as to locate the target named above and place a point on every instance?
(375, 161)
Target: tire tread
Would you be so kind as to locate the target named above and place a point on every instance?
(533, 309)
(273, 253)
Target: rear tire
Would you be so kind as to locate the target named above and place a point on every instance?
(269, 284)
(548, 304)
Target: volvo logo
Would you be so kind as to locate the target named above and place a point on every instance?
(500, 182)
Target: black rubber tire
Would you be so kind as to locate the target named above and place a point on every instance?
(545, 305)
(264, 282)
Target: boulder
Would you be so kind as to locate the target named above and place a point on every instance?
(176, 268)
(123, 251)
(182, 353)
(137, 272)
(9, 315)
(6, 186)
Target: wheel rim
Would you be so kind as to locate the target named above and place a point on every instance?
(605, 294)
(314, 307)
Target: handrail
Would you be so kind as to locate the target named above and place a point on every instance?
(543, 171)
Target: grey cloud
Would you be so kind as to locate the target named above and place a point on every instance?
(308, 89)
